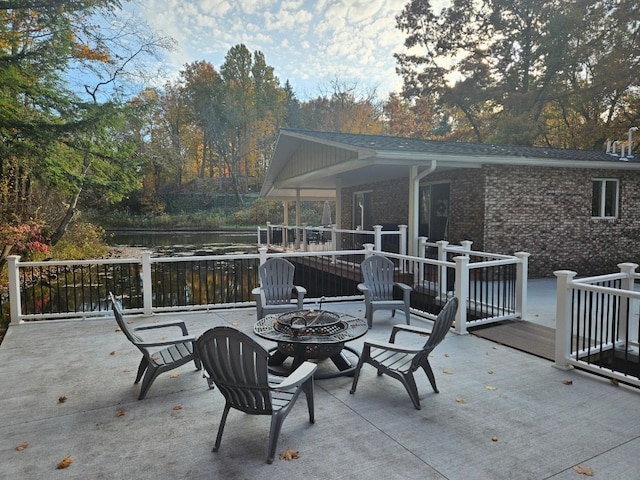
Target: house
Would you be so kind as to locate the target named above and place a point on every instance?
(570, 209)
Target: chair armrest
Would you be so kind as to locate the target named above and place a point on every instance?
(255, 291)
(392, 347)
(163, 343)
(403, 286)
(300, 290)
(297, 377)
(179, 324)
(363, 288)
(409, 329)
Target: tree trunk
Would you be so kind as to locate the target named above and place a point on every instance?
(64, 224)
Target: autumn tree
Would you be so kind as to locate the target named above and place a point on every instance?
(528, 72)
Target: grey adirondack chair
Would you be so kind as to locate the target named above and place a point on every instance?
(238, 365)
(277, 293)
(157, 356)
(401, 362)
(377, 272)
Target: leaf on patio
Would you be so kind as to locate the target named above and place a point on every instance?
(460, 400)
(234, 324)
(65, 463)
(447, 372)
(120, 413)
(494, 439)
(62, 399)
(614, 382)
(490, 372)
(113, 352)
(174, 375)
(22, 446)
(177, 407)
(583, 471)
(568, 382)
(489, 387)
(118, 329)
(126, 370)
(289, 454)
(446, 355)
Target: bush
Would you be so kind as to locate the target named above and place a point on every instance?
(81, 241)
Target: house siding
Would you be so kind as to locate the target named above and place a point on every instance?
(540, 210)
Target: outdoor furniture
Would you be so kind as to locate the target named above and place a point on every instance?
(378, 286)
(400, 362)
(237, 364)
(311, 334)
(276, 291)
(161, 355)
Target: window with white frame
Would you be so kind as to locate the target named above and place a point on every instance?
(604, 203)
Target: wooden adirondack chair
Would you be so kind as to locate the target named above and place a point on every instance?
(377, 288)
(238, 365)
(277, 293)
(400, 362)
(157, 356)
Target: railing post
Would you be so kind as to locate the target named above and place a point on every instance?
(334, 239)
(377, 237)
(305, 238)
(15, 305)
(628, 283)
(263, 254)
(418, 276)
(461, 289)
(442, 277)
(563, 318)
(268, 233)
(466, 245)
(285, 237)
(368, 249)
(147, 284)
(402, 246)
(522, 276)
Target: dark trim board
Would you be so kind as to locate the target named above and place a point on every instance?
(525, 336)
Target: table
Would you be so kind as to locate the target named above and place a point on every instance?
(311, 334)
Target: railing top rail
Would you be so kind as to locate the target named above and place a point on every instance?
(619, 292)
(494, 263)
(411, 258)
(59, 263)
(599, 278)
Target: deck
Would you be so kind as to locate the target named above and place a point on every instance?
(500, 414)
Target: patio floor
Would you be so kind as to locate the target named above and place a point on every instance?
(500, 414)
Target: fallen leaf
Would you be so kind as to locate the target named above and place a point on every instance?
(420, 397)
(235, 324)
(174, 375)
(177, 407)
(583, 471)
(113, 352)
(447, 372)
(568, 382)
(460, 400)
(614, 382)
(446, 355)
(126, 370)
(495, 348)
(62, 399)
(118, 329)
(65, 462)
(489, 387)
(120, 413)
(289, 454)
(490, 372)
(494, 439)
(22, 446)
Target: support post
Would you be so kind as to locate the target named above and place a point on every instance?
(522, 276)
(377, 237)
(15, 304)
(461, 289)
(147, 284)
(563, 318)
(628, 283)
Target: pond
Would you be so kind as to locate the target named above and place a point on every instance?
(185, 243)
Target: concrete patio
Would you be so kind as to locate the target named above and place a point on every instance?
(500, 413)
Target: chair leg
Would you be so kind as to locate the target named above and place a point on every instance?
(276, 425)
(432, 379)
(307, 388)
(410, 385)
(356, 372)
(144, 363)
(149, 377)
(369, 315)
(407, 315)
(223, 420)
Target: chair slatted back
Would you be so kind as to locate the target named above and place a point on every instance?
(276, 279)
(133, 338)
(238, 365)
(377, 272)
(441, 327)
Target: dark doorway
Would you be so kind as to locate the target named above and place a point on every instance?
(433, 211)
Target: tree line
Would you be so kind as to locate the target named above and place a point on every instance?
(81, 125)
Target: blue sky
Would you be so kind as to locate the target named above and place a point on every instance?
(308, 42)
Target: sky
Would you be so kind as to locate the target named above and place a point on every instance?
(308, 42)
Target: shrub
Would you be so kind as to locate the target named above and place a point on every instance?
(81, 241)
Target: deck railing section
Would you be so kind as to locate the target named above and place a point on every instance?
(309, 239)
(597, 326)
(491, 287)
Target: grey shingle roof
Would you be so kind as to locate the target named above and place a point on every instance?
(415, 145)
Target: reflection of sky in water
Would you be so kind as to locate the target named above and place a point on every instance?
(187, 243)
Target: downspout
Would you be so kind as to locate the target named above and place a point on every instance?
(414, 203)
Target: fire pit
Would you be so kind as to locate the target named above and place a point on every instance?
(311, 334)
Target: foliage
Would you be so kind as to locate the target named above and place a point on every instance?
(563, 74)
(25, 240)
(82, 240)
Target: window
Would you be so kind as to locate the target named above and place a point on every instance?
(605, 198)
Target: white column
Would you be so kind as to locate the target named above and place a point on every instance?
(563, 318)
(15, 305)
(522, 275)
(462, 292)
(147, 284)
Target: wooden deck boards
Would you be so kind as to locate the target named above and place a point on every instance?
(522, 335)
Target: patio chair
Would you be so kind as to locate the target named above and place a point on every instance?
(276, 291)
(378, 287)
(238, 365)
(158, 356)
(400, 362)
